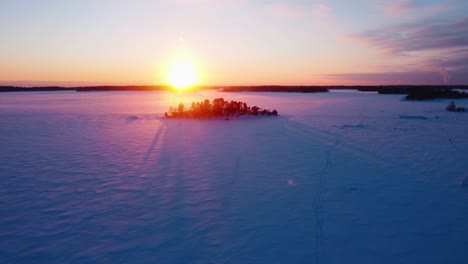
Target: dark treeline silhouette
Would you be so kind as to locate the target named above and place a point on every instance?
(218, 108)
(276, 88)
(108, 88)
(416, 89)
(426, 94)
(35, 89)
(405, 89)
(142, 88)
(382, 89)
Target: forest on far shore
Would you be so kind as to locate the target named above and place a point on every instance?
(382, 89)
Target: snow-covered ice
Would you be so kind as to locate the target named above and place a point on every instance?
(340, 177)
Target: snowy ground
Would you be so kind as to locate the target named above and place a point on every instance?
(340, 177)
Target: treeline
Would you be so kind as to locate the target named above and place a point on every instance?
(402, 89)
(108, 88)
(217, 109)
(34, 89)
(83, 89)
(382, 89)
(276, 88)
(142, 88)
(426, 94)
(420, 92)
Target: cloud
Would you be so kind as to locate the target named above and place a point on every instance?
(419, 36)
(439, 46)
(401, 7)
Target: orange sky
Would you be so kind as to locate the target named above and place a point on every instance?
(234, 42)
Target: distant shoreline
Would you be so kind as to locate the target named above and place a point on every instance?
(382, 89)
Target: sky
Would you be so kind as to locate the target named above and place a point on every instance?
(234, 42)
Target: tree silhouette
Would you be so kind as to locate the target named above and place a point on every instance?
(219, 108)
(180, 109)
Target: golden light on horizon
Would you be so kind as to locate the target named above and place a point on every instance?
(182, 74)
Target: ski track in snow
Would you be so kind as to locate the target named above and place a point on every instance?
(318, 204)
(337, 178)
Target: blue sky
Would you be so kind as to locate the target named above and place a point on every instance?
(234, 42)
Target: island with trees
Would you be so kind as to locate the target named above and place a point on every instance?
(452, 107)
(219, 108)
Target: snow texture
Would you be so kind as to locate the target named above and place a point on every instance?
(340, 177)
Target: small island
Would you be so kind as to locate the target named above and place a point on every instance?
(219, 108)
(452, 107)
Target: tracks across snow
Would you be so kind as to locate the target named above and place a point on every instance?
(320, 256)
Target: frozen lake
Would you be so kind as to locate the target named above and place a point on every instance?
(340, 177)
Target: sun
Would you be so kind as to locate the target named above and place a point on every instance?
(182, 74)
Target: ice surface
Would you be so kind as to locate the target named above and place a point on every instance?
(340, 177)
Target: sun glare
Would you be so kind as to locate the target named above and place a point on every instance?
(182, 75)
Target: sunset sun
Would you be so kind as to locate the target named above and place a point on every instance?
(182, 74)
